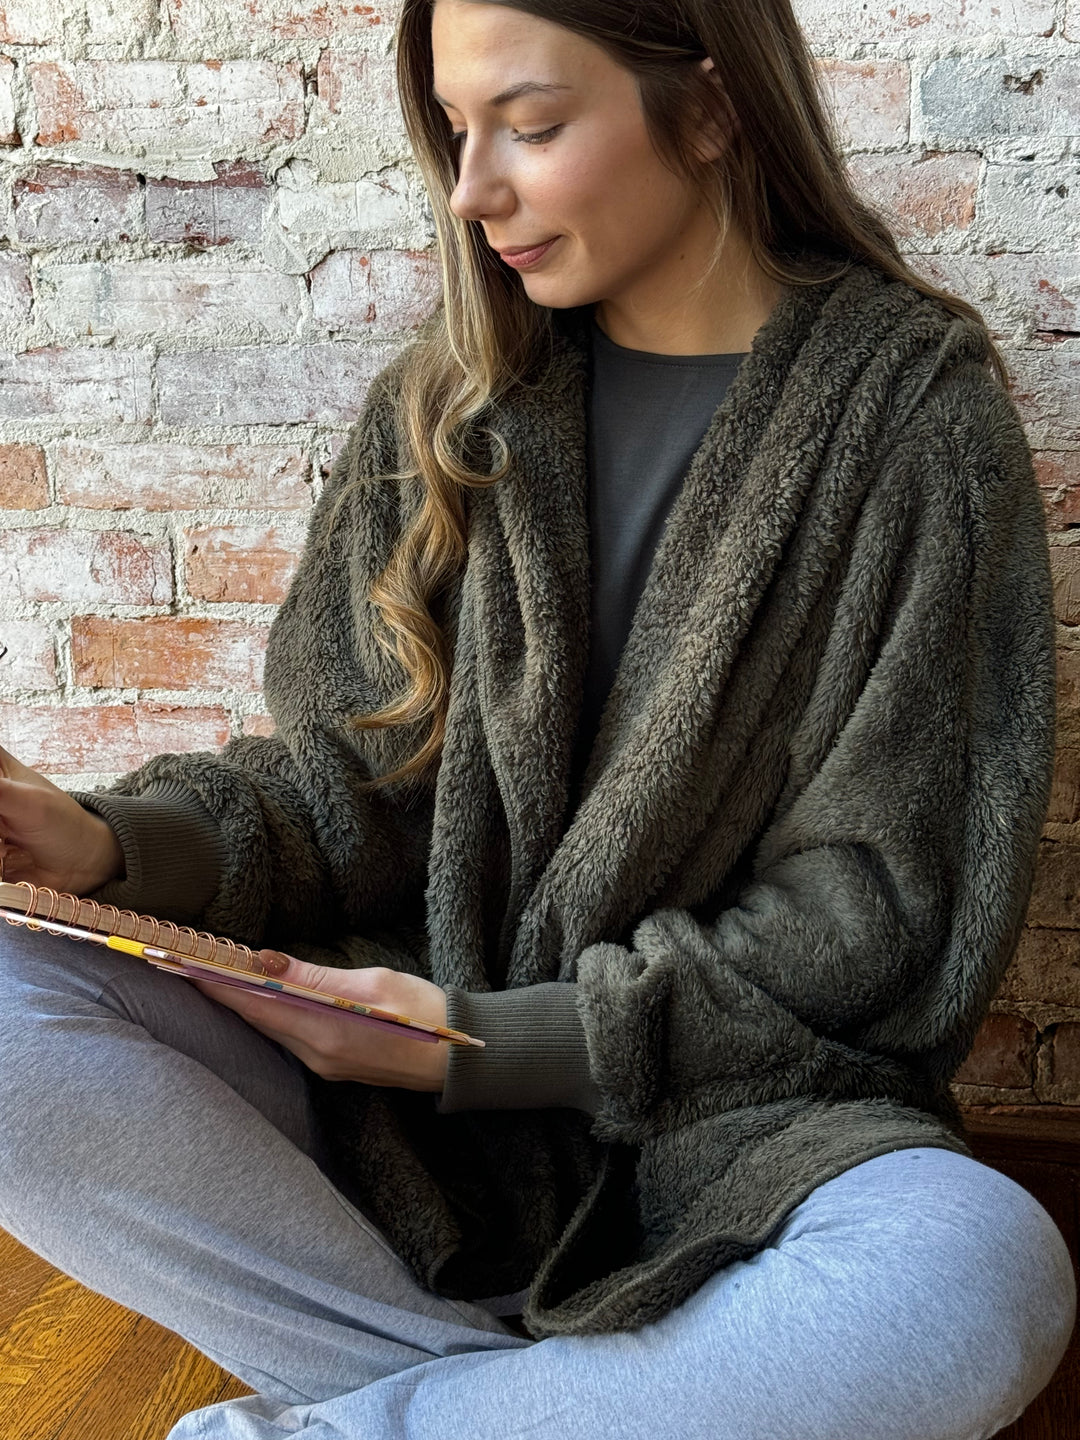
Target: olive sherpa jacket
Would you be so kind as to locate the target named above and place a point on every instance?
(763, 942)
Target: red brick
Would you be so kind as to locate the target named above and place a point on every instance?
(925, 197)
(166, 653)
(1058, 1080)
(1065, 567)
(209, 212)
(30, 660)
(1068, 695)
(1056, 898)
(388, 290)
(182, 477)
(1003, 1054)
(131, 106)
(86, 566)
(1065, 796)
(1058, 474)
(259, 725)
(1045, 968)
(107, 739)
(240, 563)
(23, 484)
(84, 203)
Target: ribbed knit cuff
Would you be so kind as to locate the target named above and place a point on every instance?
(535, 1057)
(173, 851)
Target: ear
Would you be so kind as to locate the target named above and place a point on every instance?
(718, 125)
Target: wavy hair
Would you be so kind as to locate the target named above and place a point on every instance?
(781, 179)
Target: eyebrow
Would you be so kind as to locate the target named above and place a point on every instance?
(526, 87)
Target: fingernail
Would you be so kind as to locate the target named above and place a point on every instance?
(273, 962)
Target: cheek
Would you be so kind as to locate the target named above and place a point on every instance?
(616, 190)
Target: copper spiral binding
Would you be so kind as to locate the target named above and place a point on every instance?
(181, 940)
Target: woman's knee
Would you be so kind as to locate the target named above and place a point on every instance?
(963, 1262)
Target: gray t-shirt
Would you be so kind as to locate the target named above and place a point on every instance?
(646, 416)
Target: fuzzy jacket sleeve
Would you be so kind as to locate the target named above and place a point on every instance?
(887, 892)
(246, 841)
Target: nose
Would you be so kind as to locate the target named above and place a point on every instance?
(482, 191)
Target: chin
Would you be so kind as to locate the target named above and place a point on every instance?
(554, 294)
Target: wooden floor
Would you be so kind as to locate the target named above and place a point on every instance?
(75, 1366)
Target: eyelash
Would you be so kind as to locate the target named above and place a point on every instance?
(538, 137)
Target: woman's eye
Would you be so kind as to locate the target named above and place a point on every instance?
(538, 137)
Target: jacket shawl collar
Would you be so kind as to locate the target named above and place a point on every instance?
(763, 517)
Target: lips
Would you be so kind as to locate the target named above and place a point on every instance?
(521, 257)
(521, 249)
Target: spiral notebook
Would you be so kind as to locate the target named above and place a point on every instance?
(193, 953)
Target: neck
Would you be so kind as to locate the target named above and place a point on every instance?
(720, 316)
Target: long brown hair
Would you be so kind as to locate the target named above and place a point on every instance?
(781, 179)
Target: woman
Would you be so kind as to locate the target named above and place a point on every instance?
(665, 697)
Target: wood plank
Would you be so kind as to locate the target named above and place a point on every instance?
(53, 1351)
(117, 1401)
(77, 1366)
(190, 1382)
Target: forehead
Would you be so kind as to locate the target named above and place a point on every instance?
(481, 49)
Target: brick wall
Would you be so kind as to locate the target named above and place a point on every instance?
(214, 237)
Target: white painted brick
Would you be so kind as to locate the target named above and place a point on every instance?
(16, 295)
(9, 126)
(230, 207)
(388, 290)
(1018, 295)
(268, 385)
(239, 21)
(1028, 206)
(86, 567)
(870, 101)
(42, 22)
(30, 22)
(843, 27)
(145, 106)
(91, 384)
(182, 477)
(81, 203)
(148, 298)
(357, 111)
(1047, 394)
(375, 208)
(926, 200)
(964, 100)
(117, 20)
(30, 661)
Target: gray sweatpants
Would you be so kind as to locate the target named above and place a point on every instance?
(158, 1149)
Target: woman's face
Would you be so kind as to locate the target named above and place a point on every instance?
(565, 161)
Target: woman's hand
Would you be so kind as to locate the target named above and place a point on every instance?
(46, 837)
(336, 1047)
